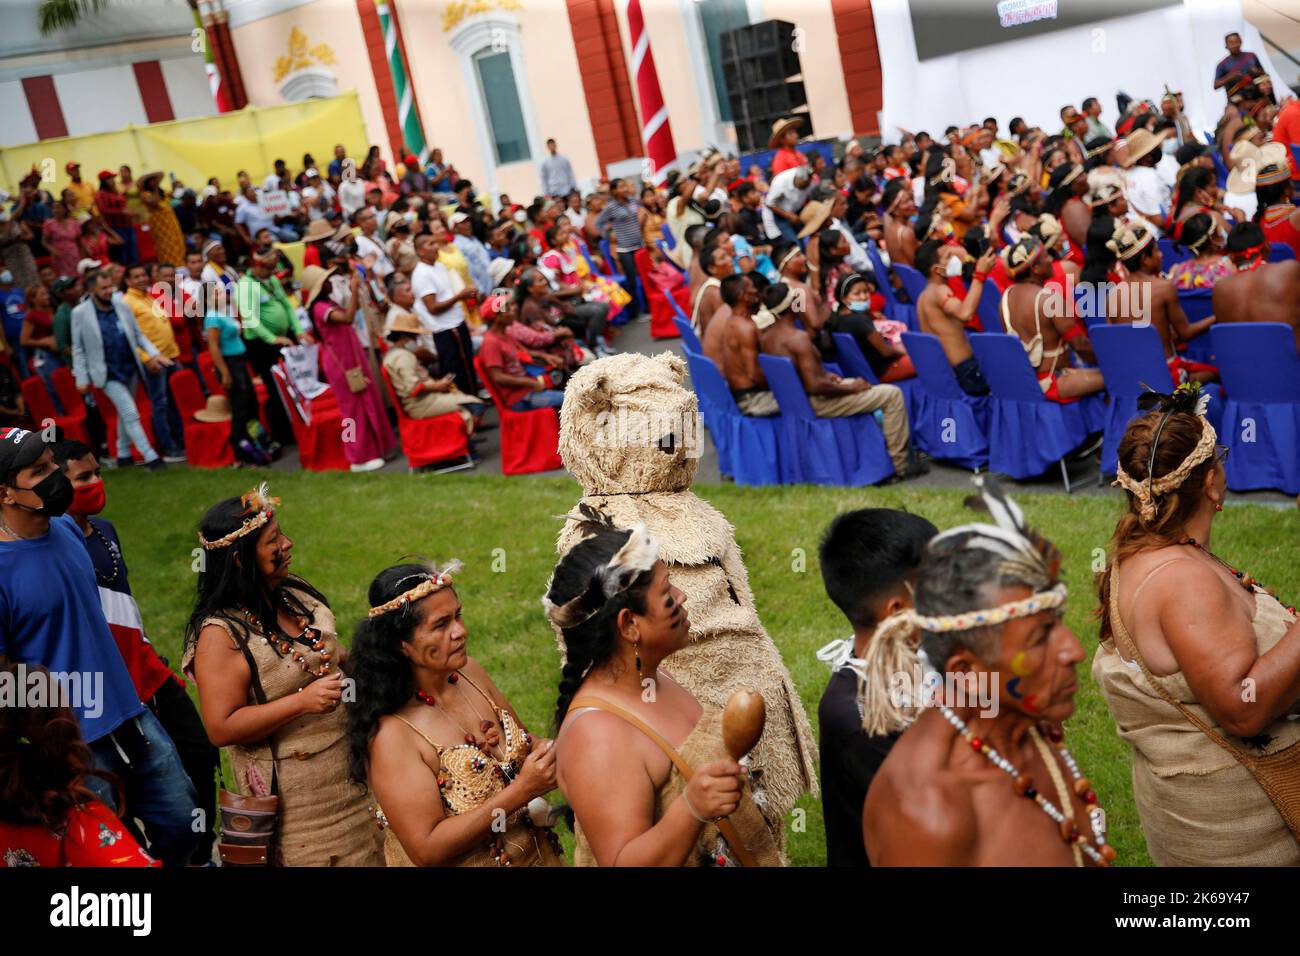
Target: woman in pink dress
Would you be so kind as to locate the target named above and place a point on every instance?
(331, 302)
(61, 237)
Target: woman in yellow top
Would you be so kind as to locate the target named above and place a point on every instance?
(452, 766)
(168, 242)
(639, 759)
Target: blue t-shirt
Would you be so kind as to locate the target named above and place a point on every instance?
(117, 350)
(50, 614)
(232, 337)
(15, 309)
(251, 217)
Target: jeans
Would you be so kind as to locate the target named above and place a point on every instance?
(130, 430)
(285, 233)
(547, 398)
(179, 717)
(158, 792)
(627, 262)
(127, 252)
(786, 227)
(166, 421)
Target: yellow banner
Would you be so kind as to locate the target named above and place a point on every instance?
(195, 150)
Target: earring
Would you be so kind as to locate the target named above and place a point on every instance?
(637, 648)
(1218, 506)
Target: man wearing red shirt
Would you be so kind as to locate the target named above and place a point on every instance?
(1286, 130)
(785, 137)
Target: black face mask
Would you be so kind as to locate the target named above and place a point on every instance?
(55, 492)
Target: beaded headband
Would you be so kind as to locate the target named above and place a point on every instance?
(1020, 258)
(1273, 173)
(1186, 398)
(638, 555)
(765, 316)
(258, 505)
(1126, 243)
(432, 580)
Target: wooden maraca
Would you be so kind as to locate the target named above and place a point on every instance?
(742, 722)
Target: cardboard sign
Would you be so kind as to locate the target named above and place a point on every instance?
(274, 202)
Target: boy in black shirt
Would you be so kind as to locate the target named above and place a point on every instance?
(868, 558)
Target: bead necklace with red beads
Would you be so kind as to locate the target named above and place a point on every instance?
(1103, 853)
(1244, 579)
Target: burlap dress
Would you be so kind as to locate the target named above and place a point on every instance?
(1198, 805)
(467, 778)
(324, 818)
(703, 745)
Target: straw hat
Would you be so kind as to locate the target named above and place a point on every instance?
(498, 269)
(1141, 142)
(217, 410)
(405, 323)
(1103, 195)
(318, 230)
(313, 281)
(1246, 158)
(1273, 165)
(1128, 242)
(813, 215)
(152, 174)
(779, 129)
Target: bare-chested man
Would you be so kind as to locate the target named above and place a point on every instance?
(943, 315)
(830, 395)
(1047, 331)
(900, 206)
(980, 777)
(740, 348)
(735, 287)
(801, 274)
(716, 260)
(1147, 297)
(1259, 291)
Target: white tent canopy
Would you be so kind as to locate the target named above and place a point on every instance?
(1035, 76)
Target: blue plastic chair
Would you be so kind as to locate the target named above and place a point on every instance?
(1131, 360)
(1090, 305)
(669, 238)
(663, 249)
(898, 311)
(824, 451)
(947, 424)
(1280, 252)
(1261, 417)
(1295, 152)
(690, 340)
(1171, 253)
(748, 447)
(1027, 432)
(1197, 305)
(987, 309)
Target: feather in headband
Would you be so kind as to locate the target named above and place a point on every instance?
(638, 555)
(1188, 400)
(258, 506)
(430, 580)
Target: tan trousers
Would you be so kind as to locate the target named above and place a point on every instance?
(433, 404)
(888, 399)
(758, 404)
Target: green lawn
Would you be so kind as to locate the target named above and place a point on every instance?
(347, 527)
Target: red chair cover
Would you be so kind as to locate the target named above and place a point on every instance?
(320, 444)
(428, 440)
(41, 408)
(207, 444)
(661, 313)
(530, 441)
(108, 412)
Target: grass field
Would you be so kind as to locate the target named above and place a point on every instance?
(346, 528)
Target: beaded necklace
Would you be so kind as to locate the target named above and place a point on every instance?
(112, 553)
(1103, 853)
(1244, 579)
(283, 644)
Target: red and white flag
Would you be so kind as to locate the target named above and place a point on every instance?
(656, 132)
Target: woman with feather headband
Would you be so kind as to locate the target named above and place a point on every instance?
(261, 648)
(1199, 664)
(982, 674)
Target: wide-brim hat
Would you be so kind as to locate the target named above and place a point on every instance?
(152, 174)
(1245, 160)
(1142, 141)
(1103, 195)
(394, 220)
(813, 215)
(318, 230)
(313, 283)
(780, 127)
(498, 269)
(407, 324)
(216, 410)
(1274, 166)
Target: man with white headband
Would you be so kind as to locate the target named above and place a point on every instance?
(981, 776)
(830, 395)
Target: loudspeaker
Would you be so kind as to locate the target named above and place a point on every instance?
(764, 80)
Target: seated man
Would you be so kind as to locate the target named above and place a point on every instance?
(1047, 344)
(830, 395)
(940, 313)
(974, 781)
(1259, 291)
(737, 291)
(422, 395)
(715, 259)
(740, 347)
(1146, 297)
(868, 558)
(499, 355)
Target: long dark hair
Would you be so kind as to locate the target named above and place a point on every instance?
(44, 761)
(380, 671)
(594, 641)
(1098, 259)
(1198, 177)
(230, 583)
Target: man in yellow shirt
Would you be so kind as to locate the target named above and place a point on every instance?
(82, 190)
(153, 322)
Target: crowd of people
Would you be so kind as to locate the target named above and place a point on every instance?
(397, 747)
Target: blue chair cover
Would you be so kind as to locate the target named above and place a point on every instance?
(669, 239)
(1261, 418)
(748, 448)
(1131, 359)
(1280, 252)
(912, 280)
(990, 299)
(663, 249)
(1089, 305)
(689, 339)
(1171, 253)
(1197, 305)
(894, 309)
(824, 451)
(855, 364)
(947, 424)
(1027, 432)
